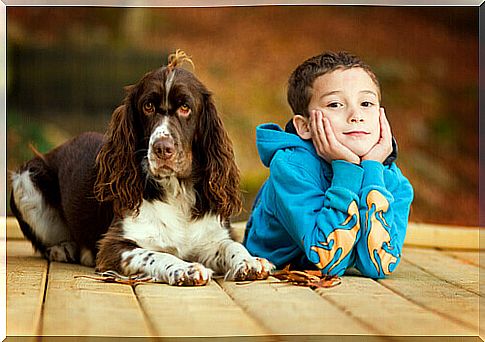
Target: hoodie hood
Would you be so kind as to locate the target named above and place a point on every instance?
(271, 138)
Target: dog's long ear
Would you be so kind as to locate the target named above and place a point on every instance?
(216, 176)
(118, 174)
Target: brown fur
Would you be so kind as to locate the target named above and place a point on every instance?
(116, 245)
(118, 177)
(215, 174)
(218, 179)
(93, 181)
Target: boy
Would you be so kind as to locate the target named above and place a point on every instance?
(334, 198)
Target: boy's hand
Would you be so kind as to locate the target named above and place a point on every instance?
(383, 148)
(325, 142)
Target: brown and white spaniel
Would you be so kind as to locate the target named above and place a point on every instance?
(153, 196)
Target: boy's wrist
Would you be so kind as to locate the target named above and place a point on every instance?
(373, 173)
(347, 175)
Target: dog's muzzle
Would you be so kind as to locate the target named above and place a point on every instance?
(164, 148)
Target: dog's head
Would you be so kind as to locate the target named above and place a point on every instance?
(168, 104)
(168, 126)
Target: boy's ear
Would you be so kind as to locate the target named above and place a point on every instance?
(302, 126)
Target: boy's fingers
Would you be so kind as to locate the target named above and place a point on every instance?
(322, 132)
(385, 127)
(317, 141)
(314, 123)
(329, 134)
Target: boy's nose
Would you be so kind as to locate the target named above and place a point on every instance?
(357, 119)
(356, 116)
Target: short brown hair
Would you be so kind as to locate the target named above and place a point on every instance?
(300, 83)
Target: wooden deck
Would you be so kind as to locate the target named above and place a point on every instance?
(433, 292)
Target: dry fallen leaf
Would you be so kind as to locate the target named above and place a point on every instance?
(114, 277)
(309, 278)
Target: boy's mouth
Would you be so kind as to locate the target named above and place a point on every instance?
(356, 133)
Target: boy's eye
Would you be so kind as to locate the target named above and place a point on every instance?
(366, 104)
(334, 105)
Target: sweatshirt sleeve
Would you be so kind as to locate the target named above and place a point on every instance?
(384, 217)
(324, 223)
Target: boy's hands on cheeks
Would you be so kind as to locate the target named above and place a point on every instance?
(325, 142)
(383, 148)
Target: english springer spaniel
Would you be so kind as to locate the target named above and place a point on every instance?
(153, 196)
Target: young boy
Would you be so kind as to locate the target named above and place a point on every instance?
(334, 198)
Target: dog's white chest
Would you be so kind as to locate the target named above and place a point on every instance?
(166, 227)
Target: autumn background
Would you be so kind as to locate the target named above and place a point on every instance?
(66, 68)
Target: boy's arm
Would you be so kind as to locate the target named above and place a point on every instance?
(324, 224)
(384, 218)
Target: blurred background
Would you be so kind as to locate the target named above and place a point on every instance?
(66, 69)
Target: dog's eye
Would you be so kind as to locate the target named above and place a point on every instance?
(148, 108)
(184, 110)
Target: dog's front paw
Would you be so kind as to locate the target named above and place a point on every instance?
(194, 274)
(251, 269)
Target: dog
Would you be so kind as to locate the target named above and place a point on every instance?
(153, 196)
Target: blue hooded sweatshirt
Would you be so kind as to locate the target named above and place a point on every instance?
(310, 213)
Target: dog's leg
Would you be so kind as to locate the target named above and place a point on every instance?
(164, 267)
(40, 222)
(125, 257)
(232, 259)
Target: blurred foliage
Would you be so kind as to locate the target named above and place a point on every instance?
(25, 129)
(67, 68)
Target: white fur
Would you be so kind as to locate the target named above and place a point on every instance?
(161, 131)
(165, 267)
(42, 218)
(166, 227)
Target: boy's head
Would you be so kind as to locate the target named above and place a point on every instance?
(300, 84)
(345, 90)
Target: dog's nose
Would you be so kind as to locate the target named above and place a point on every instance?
(164, 148)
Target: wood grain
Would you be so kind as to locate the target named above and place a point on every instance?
(287, 309)
(382, 310)
(195, 311)
(453, 270)
(434, 294)
(26, 279)
(470, 257)
(80, 306)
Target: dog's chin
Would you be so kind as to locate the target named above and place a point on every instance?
(162, 171)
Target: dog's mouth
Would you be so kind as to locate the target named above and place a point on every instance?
(159, 168)
(163, 168)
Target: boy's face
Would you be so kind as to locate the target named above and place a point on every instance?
(350, 100)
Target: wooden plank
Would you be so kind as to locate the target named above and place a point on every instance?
(288, 309)
(470, 257)
(440, 236)
(13, 229)
(195, 311)
(80, 306)
(421, 235)
(20, 248)
(445, 267)
(380, 308)
(418, 234)
(436, 295)
(26, 279)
